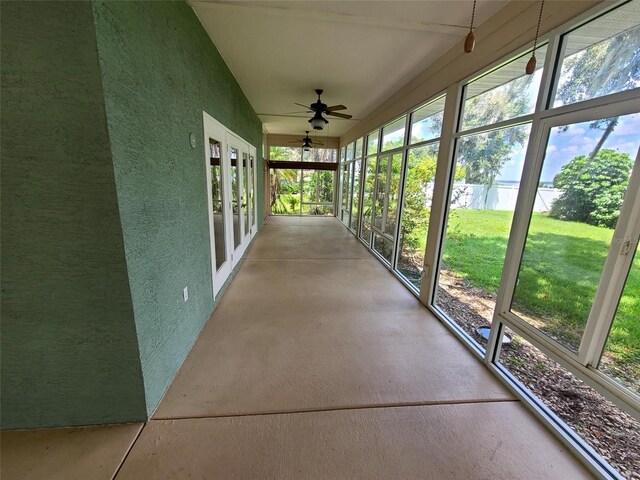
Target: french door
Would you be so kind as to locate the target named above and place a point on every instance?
(231, 195)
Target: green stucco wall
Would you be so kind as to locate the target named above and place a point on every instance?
(69, 347)
(160, 70)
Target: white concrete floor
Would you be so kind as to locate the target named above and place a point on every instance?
(317, 363)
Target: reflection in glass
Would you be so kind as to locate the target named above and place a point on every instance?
(393, 134)
(502, 94)
(601, 57)
(217, 205)
(235, 197)
(584, 178)
(251, 192)
(482, 199)
(245, 192)
(418, 193)
(426, 122)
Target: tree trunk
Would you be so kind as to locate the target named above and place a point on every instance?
(607, 131)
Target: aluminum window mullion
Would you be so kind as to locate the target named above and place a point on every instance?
(520, 222)
(512, 122)
(403, 165)
(440, 197)
(387, 190)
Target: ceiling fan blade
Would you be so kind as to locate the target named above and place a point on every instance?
(341, 115)
(318, 143)
(300, 105)
(333, 108)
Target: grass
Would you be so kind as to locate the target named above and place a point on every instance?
(558, 279)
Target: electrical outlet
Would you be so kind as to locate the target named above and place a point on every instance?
(185, 294)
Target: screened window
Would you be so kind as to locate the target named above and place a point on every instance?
(393, 134)
(426, 122)
(503, 94)
(372, 142)
(601, 57)
(285, 153)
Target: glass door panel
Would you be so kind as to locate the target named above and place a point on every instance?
(588, 165)
(252, 198)
(235, 195)
(245, 193)
(217, 203)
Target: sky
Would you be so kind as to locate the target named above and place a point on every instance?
(578, 139)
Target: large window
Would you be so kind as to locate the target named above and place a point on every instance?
(420, 171)
(600, 58)
(485, 181)
(566, 248)
(297, 154)
(369, 182)
(533, 235)
(301, 192)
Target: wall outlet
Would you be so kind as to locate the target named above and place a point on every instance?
(185, 294)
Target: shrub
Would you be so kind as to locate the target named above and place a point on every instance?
(593, 188)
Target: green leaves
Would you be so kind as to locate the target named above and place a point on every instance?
(593, 189)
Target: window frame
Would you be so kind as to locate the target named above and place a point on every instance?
(543, 118)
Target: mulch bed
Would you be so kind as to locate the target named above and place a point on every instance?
(614, 434)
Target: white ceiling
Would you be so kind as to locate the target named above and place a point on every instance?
(359, 52)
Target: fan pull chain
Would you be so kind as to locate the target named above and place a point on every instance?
(470, 41)
(531, 64)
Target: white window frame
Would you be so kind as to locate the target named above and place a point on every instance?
(584, 365)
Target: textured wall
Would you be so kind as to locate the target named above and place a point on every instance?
(160, 70)
(69, 347)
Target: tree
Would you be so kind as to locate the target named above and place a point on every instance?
(609, 66)
(485, 155)
(593, 191)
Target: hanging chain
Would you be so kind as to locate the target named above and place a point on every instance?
(535, 41)
(473, 15)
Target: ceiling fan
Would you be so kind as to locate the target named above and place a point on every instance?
(307, 143)
(318, 108)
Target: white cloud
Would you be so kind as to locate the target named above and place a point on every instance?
(570, 150)
(574, 131)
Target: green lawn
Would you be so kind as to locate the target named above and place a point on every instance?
(560, 273)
